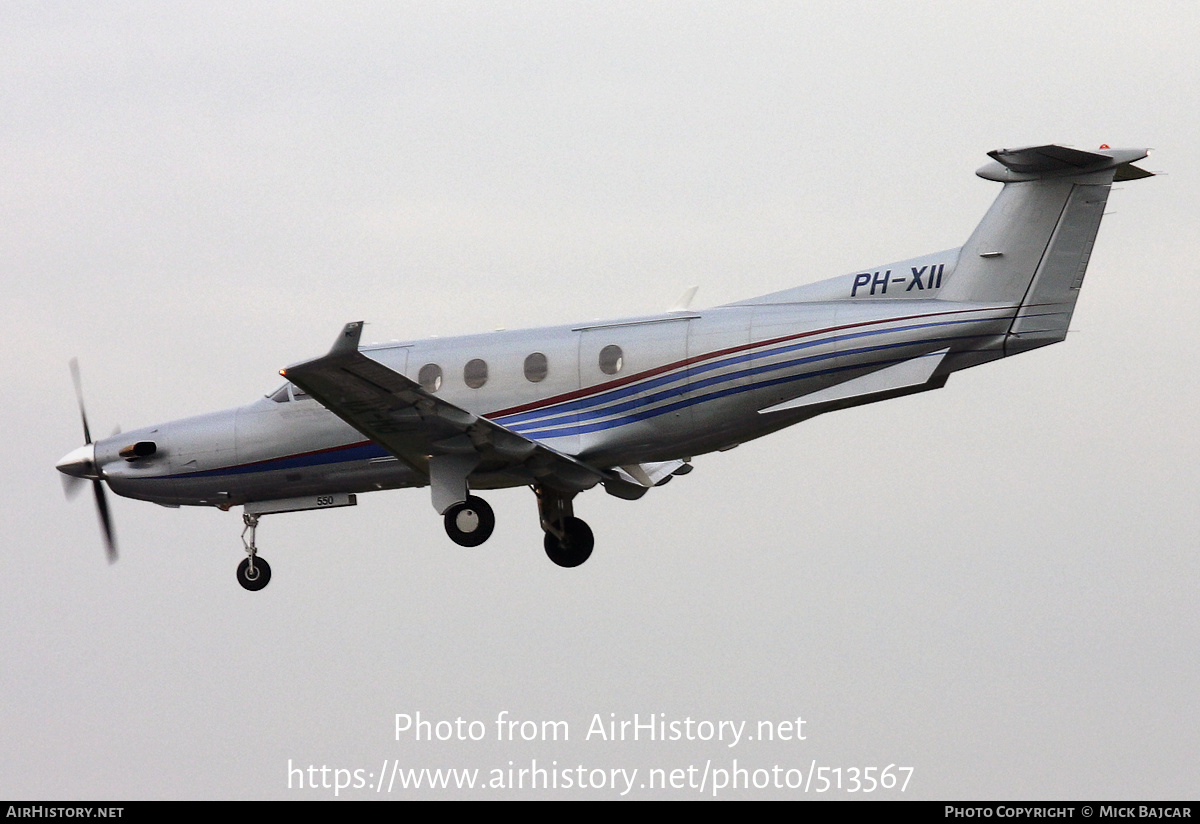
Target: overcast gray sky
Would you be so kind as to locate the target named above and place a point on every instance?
(994, 584)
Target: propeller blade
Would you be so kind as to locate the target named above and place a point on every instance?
(110, 538)
(71, 484)
(87, 434)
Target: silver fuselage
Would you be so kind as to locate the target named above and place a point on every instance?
(686, 383)
(624, 405)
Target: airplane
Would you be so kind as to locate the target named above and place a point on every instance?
(626, 404)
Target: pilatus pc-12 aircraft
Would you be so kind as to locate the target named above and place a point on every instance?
(624, 404)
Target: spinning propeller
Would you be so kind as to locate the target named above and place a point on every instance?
(80, 465)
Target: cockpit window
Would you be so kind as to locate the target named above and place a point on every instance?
(280, 395)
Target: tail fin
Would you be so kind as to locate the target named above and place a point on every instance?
(1033, 245)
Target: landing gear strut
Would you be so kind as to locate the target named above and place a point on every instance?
(569, 540)
(471, 522)
(253, 573)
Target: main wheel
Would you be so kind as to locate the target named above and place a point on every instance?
(256, 580)
(471, 522)
(574, 547)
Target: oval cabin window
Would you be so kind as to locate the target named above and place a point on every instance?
(430, 377)
(611, 359)
(536, 368)
(475, 373)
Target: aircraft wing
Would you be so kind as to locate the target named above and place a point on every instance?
(438, 439)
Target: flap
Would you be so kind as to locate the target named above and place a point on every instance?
(415, 425)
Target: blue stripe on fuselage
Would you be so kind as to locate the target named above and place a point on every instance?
(580, 428)
(561, 419)
(340, 454)
(545, 420)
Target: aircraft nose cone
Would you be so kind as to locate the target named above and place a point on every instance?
(79, 463)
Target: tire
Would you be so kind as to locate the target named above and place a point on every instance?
(574, 548)
(262, 574)
(470, 523)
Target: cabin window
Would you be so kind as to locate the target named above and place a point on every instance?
(611, 359)
(475, 373)
(536, 367)
(430, 377)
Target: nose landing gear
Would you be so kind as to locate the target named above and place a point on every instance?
(253, 573)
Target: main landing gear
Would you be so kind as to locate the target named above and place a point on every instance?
(568, 540)
(471, 522)
(253, 573)
(570, 544)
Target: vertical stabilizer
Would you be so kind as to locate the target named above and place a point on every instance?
(1033, 245)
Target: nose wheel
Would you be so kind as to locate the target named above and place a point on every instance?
(471, 522)
(253, 573)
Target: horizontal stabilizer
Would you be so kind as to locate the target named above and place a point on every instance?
(1051, 161)
(1047, 158)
